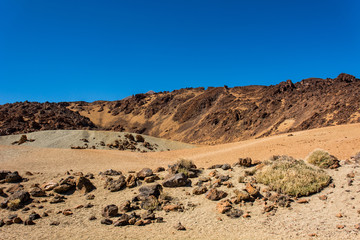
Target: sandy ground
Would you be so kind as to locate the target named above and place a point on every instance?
(341, 141)
(317, 217)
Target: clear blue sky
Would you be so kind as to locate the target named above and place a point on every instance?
(106, 50)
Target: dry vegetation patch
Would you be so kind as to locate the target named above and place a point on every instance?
(293, 177)
(321, 158)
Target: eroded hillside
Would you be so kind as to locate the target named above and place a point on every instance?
(196, 115)
(218, 115)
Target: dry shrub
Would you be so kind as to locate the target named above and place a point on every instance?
(14, 204)
(185, 164)
(321, 158)
(292, 177)
(356, 157)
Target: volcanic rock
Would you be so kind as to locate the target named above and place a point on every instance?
(151, 190)
(110, 211)
(37, 192)
(223, 206)
(215, 195)
(176, 180)
(145, 172)
(84, 185)
(200, 190)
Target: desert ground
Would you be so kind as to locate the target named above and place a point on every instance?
(335, 217)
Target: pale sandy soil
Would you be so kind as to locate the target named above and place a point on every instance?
(202, 222)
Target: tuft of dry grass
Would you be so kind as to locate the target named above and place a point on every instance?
(292, 177)
(321, 158)
(14, 204)
(185, 164)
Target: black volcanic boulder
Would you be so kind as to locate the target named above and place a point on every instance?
(176, 180)
(37, 192)
(13, 177)
(3, 174)
(215, 195)
(84, 185)
(66, 185)
(131, 181)
(145, 172)
(116, 185)
(16, 200)
(110, 211)
(151, 190)
(111, 172)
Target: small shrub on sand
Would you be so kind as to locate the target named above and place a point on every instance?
(186, 164)
(321, 158)
(184, 171)
(292, 177)
(356, 157)
(14, 204)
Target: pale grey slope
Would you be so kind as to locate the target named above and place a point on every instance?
(89, 139)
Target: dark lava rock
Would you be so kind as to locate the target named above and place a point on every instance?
(145, 172)
(122, 221)
(110, 211)
(111, 172)
(66, 185)
(17, 220)
(37, 192)
(245, 162)
(18, 199)
(106, 221)
(159, 169)
(200, 190)
(34, 216)
(180, 227)
(116, 185)
(84, 185)
(215, 195)
(13, 177)
(29, 222)
(90, 197)
(176, 180)
(131, 181)
(57, 199)
(151, 190)
(125, 207)
(226, 166)
(3, 174)
(234, 213)
(14, 188)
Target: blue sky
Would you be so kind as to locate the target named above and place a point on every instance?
(107, 50)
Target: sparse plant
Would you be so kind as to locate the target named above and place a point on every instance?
(185, 163)
(292, 177)
(165, 196)
(14, 204)
(321, 158)
(150, 204)
(184, 171)
(356, 157)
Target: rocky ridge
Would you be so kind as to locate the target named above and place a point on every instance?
(195, 115)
